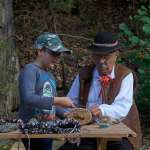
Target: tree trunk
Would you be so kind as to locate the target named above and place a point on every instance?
(9, 66)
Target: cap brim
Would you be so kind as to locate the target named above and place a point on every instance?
(65, 50)
(60, 49)
(98, 49)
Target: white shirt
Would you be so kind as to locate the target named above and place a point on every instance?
(122, 103)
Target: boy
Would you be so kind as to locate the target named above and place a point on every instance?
(37, 88)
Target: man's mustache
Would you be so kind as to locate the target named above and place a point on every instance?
(102, 66)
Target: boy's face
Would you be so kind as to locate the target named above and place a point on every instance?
(46, 59)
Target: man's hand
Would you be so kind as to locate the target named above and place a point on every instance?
(95, 111)
(64, 102)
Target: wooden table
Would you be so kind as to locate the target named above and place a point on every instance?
(114, 133)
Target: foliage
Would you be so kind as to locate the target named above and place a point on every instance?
(7, 146)
(137, 2)
(6, 77)
(35, 28)
(140, 57)
(64, 5)
(92, 32)
(91, 17)
(119, 60)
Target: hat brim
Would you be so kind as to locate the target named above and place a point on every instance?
(98, 49)
(60, 49)
(65, 50)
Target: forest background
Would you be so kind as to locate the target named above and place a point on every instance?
(77, 22)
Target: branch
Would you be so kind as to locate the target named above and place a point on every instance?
(69, 35)
(62, 56)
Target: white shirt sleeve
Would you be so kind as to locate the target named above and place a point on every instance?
(123, 101)
(73, 93)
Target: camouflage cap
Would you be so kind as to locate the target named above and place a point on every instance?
(51, 42)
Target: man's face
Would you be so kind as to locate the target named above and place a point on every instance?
(105, 62)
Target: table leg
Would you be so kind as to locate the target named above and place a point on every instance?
(101, 143)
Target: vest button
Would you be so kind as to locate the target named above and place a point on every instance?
(81, 97)
(82, 80)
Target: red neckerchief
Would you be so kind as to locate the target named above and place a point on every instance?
(103, 85)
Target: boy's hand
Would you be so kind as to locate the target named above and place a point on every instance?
(65, 115)
(64, 102)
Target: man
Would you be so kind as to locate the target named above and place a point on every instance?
(107, 88)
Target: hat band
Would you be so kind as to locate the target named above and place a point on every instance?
(105, 45)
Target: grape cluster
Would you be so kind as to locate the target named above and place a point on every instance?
(57, 127)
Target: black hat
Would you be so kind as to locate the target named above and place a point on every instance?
(104, 42)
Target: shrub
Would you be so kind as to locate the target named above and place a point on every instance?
(140, 56)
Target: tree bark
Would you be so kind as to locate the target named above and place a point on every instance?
(9, 96)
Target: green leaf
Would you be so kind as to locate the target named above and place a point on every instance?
(137, 60)
(137, 16)
(134, 39)
(90, 13)
(145, 18)
(141, 80)
(147, 56)
(137, 20)
(143, 42)
(141, 70)
(148, 44)
(143, 7)
(119, 58)
(134, 43)
(146, 84)
(148, 74)
(127, 43)
(144, 33)
(142, 12)
(123, 63)
(123, 26)
(146, 28)
(138, 93)
(149, 6)
(121, 33)
(139, 99)
(138, 49)
(148, 102)
(127, 32)
(148, 20)
(145, 51)
(146, 63)
(130, 7)
(88, 17)
(132, 56)
(139, 106)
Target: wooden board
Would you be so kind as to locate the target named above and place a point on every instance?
(15, 146)
(115, 131)
(57, 144)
